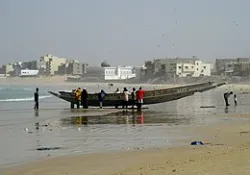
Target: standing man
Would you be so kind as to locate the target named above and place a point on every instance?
(140, 95)
(226, 96)
(235, 100)
(125, 98)
(133, 97)
(36, 99)
(84, 98)
(101, 96)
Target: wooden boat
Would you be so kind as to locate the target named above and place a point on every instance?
(150, 97)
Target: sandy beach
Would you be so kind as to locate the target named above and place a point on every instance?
(60, 81)
(226, 151)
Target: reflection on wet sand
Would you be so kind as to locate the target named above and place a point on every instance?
(126, 117)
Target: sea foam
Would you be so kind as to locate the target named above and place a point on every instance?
(23, 99)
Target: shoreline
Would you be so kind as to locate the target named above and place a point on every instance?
(60, 80)
(63, 79)
(226, 149)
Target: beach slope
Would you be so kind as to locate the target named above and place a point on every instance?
(226, 151)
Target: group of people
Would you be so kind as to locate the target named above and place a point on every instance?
(81, 96)
(136, 97)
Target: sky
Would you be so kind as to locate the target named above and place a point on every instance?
(123, 32)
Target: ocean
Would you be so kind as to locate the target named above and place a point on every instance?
(23, 130)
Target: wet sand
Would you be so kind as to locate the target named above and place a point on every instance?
(226, 151)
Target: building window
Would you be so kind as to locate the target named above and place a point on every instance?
(192, 67)
(186, 67)
(204, 67)
(179, 67)
(197, 69)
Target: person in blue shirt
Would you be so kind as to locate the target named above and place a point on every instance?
(101, 97)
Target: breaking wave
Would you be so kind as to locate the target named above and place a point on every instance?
(23, 99)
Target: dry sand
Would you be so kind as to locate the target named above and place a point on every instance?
(226, 152)
(60, 81)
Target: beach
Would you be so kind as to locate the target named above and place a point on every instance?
(157, 142)
(61, 81)
(225, 151)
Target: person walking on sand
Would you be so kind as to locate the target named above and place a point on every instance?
(235, 100)
(226, 96)
(125, 98)
(101, 96)
(140, 95)
(36, 99)
(84, 97)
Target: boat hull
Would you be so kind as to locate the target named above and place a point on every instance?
(151, 97)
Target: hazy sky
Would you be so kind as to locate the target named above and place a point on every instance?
(123, 32)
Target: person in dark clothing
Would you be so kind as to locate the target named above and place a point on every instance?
(84, 99)
(235, 100)
(36, 99)
(101, 96)
(226, 96)
(72, 105)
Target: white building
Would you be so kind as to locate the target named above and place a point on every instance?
(28, 73)
(195, 69)
(118, 73)
(51, 63)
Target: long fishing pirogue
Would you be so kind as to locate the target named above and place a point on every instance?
(150, 97)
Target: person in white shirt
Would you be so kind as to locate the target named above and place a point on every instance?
(125, 98)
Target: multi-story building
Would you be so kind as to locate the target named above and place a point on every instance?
(51, 63)
(195, 69)
(233, 67)
(223, 66)
(74, 68)
(119, 73)
(180, 67)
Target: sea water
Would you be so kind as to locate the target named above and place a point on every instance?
(77, 133)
